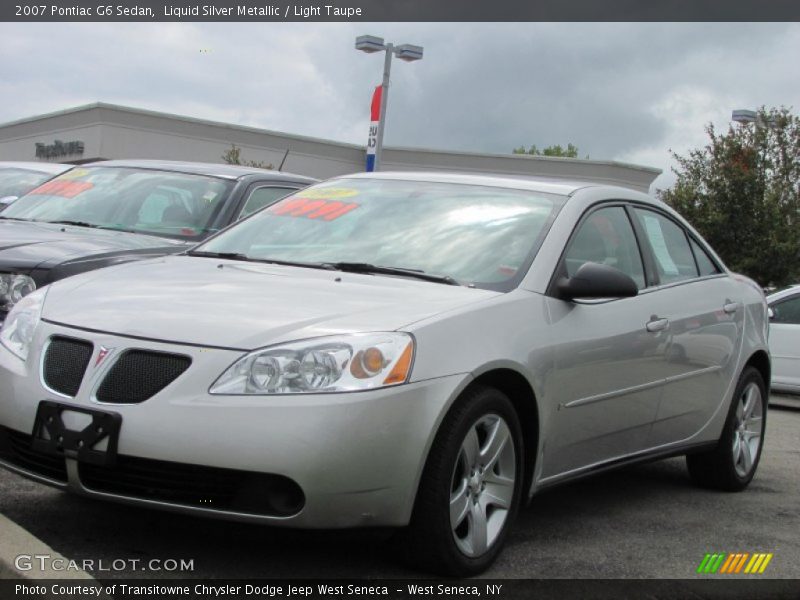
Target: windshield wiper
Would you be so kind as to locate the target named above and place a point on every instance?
(228, 255)
(14, 218)
(268, 261)
(76, 223)
(354, 267)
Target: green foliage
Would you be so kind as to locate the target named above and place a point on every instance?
(569, 152)
(742, 193)
(234, 157)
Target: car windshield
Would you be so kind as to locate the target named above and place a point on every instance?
(176, 205)
(15, 182)
(477, 235)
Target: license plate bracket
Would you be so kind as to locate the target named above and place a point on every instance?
(52, 436)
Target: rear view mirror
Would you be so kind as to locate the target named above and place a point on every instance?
(595, 280)
(770, 313)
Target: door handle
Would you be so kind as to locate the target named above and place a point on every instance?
(731, 307)
(657, 325)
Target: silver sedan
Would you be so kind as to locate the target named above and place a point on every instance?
(422, 351)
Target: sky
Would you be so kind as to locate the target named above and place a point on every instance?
(630, 92)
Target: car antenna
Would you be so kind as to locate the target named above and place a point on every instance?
(280, 167)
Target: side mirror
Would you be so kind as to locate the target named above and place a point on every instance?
(595, 280)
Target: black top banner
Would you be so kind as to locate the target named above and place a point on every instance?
(401, 10)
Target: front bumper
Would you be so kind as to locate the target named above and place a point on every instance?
(357, 457)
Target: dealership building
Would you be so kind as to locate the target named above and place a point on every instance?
(103, 131)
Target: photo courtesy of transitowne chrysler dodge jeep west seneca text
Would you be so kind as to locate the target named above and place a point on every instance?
(424, 351)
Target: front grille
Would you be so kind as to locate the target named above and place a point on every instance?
(65, 362)
(195, 485)
(140, 374)
(15, 448)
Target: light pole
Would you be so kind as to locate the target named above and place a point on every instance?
(406, 52)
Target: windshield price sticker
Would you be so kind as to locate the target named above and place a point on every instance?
(64, 188)
(331, 193)
(75, 174)
(313, 209)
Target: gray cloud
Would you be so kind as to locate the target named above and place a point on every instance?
(618, 91)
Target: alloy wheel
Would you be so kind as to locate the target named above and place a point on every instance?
(483, 483)
(747, 429)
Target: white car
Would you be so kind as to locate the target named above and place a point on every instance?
(394, 349)
(784, 339)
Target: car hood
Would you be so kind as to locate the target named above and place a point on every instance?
(233, 304)
(28, 245)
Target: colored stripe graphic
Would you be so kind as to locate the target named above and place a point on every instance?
(725, 567)
(734, 563)
(764, 564)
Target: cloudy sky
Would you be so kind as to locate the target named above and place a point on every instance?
(626, 92)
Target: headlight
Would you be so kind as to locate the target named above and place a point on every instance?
(20, 324)
(331, 364)
(13, 288)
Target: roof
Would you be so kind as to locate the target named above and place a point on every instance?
(788, 291)
(39, 167)
(210, 169)
(524, 182)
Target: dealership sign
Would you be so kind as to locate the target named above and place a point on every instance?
(58, 149)
(375, 119)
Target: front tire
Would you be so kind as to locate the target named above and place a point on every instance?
(732, 464)
(471, 487)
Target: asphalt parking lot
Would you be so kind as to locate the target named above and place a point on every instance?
(646, 521)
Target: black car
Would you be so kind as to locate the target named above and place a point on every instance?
(111, 212)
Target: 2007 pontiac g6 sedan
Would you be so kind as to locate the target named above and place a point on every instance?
(423, 351)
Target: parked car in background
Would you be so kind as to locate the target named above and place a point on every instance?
(784, 339)
(19, 178)
(113, 212)
(395, 349)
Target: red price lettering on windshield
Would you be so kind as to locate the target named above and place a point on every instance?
(63, 188)
(327, 210)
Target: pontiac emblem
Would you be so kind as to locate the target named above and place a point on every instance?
(101, 356)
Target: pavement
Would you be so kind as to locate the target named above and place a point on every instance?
(645, 521)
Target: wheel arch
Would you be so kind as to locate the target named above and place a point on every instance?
(761, 362)
(519, 390)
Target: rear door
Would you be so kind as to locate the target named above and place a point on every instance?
(704, 317)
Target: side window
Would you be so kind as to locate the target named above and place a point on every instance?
(261, 197)
(607, 237)
(787, 311)
(673, 256)
(704, 262)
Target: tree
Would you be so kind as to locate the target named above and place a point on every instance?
(569, 152)
(233, 157)
(742, 193)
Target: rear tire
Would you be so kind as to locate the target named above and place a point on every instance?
(470, 489)
(732, 464)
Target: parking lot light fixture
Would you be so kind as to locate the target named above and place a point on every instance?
(744, 116)
(406, 52)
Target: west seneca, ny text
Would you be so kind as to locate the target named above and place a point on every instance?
(196, 11)
(204, 590)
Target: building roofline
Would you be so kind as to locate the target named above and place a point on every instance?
(311, 139)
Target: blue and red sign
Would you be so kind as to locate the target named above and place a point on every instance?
(375, 119)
